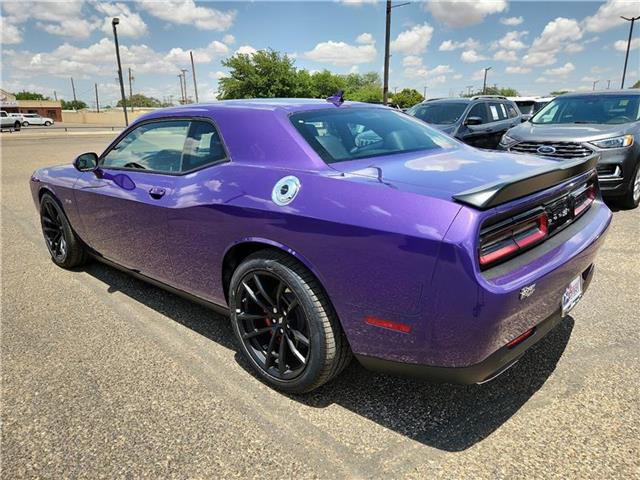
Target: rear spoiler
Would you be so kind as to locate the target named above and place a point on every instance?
(503, 191)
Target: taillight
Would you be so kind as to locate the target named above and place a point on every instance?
(505, 241)
(583, 199)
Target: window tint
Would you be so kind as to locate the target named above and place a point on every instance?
(598, 109)
(479, 110)
(439, 113)
(153, 146)
(351, 133)
(202, 147)
(512, 111)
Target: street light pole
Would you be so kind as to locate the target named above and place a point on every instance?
(626, 57)
(594, 84)
(184, 78)
(193, 74)
(387, 41)
(484, 85)
(115, 22)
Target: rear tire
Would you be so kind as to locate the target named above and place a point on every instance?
(65, 248)
(25, 124)
(16, 126)
(274, 300)
(631, 199)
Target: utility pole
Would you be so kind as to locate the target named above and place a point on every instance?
(115, 22)
(626, 57)
(73, 89)
(469, 87)
(55, 96)
(387, 41)
(97, 101)
(181, 89)
(130, 89)
(608, 84)
(184, 78)
(193, 74)
(594, 84)
(484, 84)
(424, 92)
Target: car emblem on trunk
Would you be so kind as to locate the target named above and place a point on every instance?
(527, 291)
(546, 149)
(285, 190)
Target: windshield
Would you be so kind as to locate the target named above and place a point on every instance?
(604, 109)
(339, 135)
(439, 113)
(525, 106)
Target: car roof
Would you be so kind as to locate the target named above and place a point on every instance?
(634, 92)
(271, 104)
(449, 100)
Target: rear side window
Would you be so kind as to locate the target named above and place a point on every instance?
(497, 111)
(512, 111)
(202, 147)
(351, 133)
(479, 110)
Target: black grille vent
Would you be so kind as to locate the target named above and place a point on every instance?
(558, 149)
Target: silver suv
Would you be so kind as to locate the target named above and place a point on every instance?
(579, 125)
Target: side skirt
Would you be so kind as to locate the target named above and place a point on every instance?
(222, 310)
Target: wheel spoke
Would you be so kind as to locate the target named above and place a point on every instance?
(249, 316)
(255, 333)
(255, 298)
(299, 337)
(295, 351)
(268, 361)
(281, 363)
(263, 292)
(291, 306)
(279, 292)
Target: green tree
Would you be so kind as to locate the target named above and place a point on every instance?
(503, 91)
(324, 84)
(558, 92)
(407, 97)
(73, 105)
(263, 74)
(636, 85)
(25, 95)
(140, 100)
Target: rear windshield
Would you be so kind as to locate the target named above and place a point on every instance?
(439, 113)
(339, 135)
(604, 109)
(525, 106)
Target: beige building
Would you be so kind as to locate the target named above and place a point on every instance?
(44, 108)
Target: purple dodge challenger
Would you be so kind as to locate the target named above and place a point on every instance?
(330, 229)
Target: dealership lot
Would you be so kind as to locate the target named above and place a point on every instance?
(104, 375)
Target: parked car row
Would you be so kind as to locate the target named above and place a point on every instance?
(605, 125)
(27, 119)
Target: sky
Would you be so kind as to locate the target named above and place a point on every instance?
(535, 47)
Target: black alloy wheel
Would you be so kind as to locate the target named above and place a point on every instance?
(285, 324)
(273, 325)
(66, 249)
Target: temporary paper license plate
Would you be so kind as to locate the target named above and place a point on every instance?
(571, 295)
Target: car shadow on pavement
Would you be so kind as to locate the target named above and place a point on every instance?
(443, 416)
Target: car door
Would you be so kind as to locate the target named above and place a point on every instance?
(476, 135)
(500, 122)
(123, 205)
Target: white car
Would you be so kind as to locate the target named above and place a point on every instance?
(8, 122)
(35, 119)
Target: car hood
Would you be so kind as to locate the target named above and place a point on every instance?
(444, 173)
(566, 132)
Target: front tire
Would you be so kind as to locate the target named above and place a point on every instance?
(631, 199)
(284, 323)
(65, 248)
(47, 124)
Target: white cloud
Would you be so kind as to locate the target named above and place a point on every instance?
(357, 3)
(462, 13)
(131, 24)
(511, 21)
(505, 56)
(229, 39)
(555, 36)
(471, 56)
(414, 41)
(457, 76)
(200, 55)
(589, 79)
(341, 53)
(411, 61)
(621, 45)
(245, 50)
(542, 80)
(517, 70)
(608, 15)
(186, 12)
(574, 48)
(562, 71)
(511, 41)
(451, 45)
(218, 75)
(354, 69)
(597, 69)
(415, 69)
(478, 74)
(9, 34)
(76, 28)
(365, 39)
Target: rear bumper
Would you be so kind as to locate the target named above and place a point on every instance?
(494, 365)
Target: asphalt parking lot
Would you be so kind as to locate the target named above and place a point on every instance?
(106, 376)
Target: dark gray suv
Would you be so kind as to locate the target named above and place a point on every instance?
(580, 125)
(478, 121)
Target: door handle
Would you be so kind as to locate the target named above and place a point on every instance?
(157, 193)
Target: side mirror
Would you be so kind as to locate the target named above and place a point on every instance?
(87, 162)
(473, 121)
